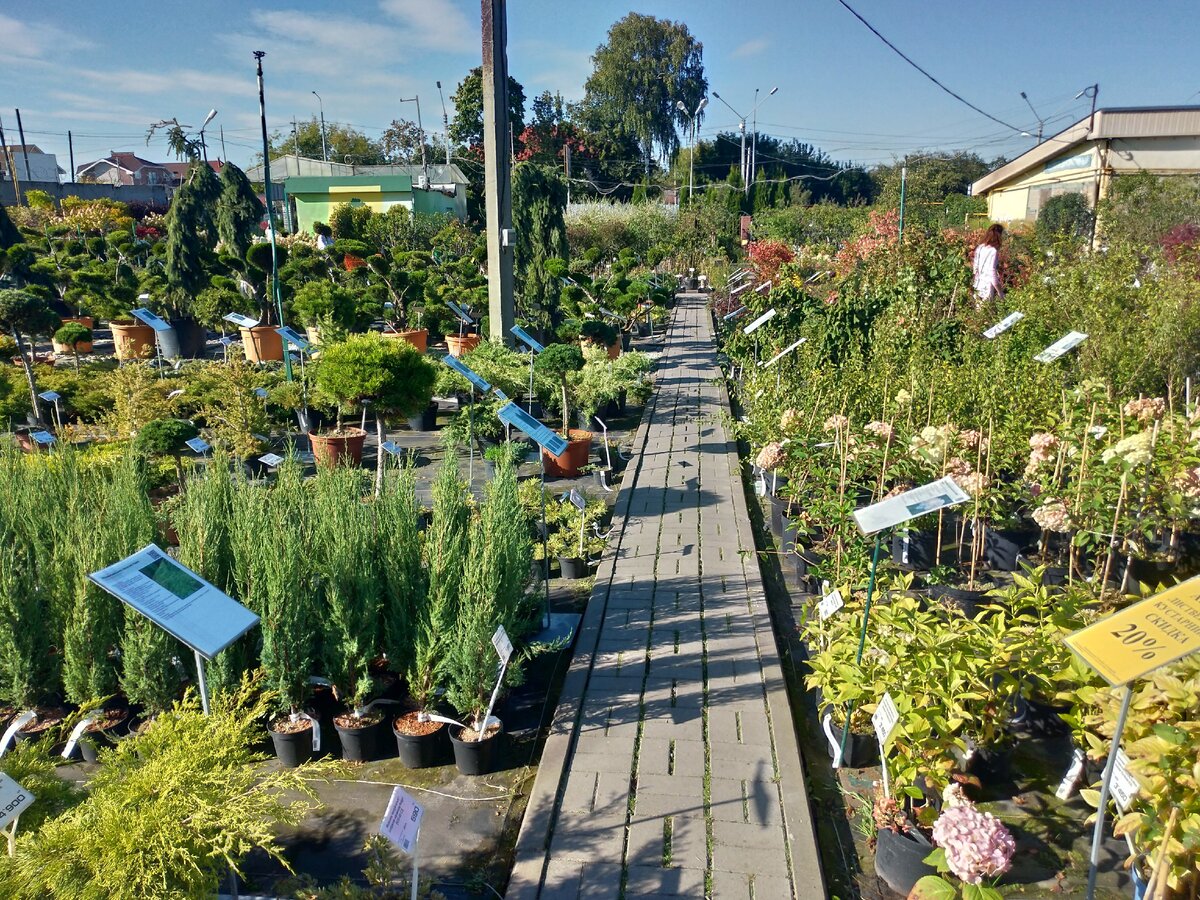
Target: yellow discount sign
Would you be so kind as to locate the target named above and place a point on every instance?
(1137, 640)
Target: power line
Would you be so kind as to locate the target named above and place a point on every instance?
(909, 60)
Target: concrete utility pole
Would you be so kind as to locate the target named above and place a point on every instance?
(324, 145)
(496, 166)
(445, 122)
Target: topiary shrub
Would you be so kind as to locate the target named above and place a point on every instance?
(1064, 216)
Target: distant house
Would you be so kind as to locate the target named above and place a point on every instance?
(179, 169)
(42, 166)
(124, 169)
(310, 188)
(1084, 159)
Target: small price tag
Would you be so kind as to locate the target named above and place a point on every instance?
(885, 718)
(14, 800)
(227, 340)
(1070, 780)
(502, 644)
(830, 604)
(402, 820)
(577, 500)
(271, 459)
(1124, 784)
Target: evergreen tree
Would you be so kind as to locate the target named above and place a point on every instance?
(539, 209)
(404, 580)
(8, 231)
(191, 231)
(238, 212)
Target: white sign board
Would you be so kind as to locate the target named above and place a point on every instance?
(271, 459)
(241, 321)
(14, 800)
(782, 353)
(503, 645)
(1003, 325)
(885, 718)
(830, 604)
(577, 500)
(1125, 785)
(760, 321)
(149, 318)
(402, 820)
(899, 509)
(177, 599)
(1067, 342)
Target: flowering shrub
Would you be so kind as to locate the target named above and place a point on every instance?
(770, 456)
(976, 844)
(768, 257)
(1145, 409)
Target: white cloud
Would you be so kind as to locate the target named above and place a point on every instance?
(434, 25)
(135, 81)
(750, 48)
(24, 40)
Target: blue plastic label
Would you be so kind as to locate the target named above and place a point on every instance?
(466, 373)
(543, 436)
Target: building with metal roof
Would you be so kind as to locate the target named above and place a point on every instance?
(1084, 158)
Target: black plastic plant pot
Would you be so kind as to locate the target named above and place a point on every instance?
(969, 601)
(1003, 549)
(293, 748)
(421, 751)
(192, 338)
(573, 567)
(862, 750)
(900, 859)
(804, 559)
(476, 757)
(425, 420)
(358, 743)
(626, 340)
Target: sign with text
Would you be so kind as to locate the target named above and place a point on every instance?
(292, 338)
(460, 312)
(271, 459)
(760, 321)
(576, 499)
(830, 604)
(199, 445)
(177, 600)
(392, 447)
(527, 339)
(14, 800)
(885, 718)
(150, 319)
(1124, 785)
(1138, 639)
(504, 647)
(899, 509)
(1068, 341)
(543, 436)
(240, 321)
(1003, 325)
(402, 820)
(466, 373)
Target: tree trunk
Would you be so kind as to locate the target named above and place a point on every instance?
(565, 411)
(178, 471)
(27, 365)
(380, 434)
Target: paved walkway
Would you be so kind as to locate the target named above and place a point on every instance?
(672, 768)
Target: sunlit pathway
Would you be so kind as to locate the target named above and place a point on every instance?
(673, 769)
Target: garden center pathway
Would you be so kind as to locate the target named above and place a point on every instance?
(672, 768)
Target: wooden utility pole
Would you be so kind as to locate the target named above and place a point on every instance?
(496, 170)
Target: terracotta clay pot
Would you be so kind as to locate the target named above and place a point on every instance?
(418, 337)
(132, 340)
(262, 343)
(574, 458)
(338, 449)
(461, 346)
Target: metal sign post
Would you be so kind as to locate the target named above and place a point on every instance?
(535, 347)
(475, 381)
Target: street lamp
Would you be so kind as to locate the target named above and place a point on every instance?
(212, 114)
(1041, 122)
(324, 146)
(742, 129)
(1091, 91)
(445, 122)
(692, 143)
(415, 98)
(754, 140)
(271, 233)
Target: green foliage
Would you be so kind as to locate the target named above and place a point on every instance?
(1064, 216)
(132, 839)
(467, 127)
(1141, 208)
(404, 588)
(539, 202)
(191, 235)
(598, 332)
(8, 231)
(341, 141)
(391, 374)
(24, 313)
(238, 211)
(31, 765)
(557, 363)
(72, 334)
(165, 437)
(319, 302)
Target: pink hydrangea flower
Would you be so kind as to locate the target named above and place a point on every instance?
(770, 456)
(789, 419)
(836, 423)
(1146, 409)
(882, 430)
(976, 843)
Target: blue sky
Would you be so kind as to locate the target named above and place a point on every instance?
(107, 72)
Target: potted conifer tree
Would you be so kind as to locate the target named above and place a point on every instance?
(558, 363)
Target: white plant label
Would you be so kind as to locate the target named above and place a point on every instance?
(402, 820)
(760, 321)
(17, 724)
(1066, 787)
(885, 718)
(899, 509)
(1098, 431)
(1003, 325)
(149, 318)
(577, 500)
(830, 604)
(503, 645)
(14, 800)
(1068, 341)
(1124, 784)
(782, 353)
(227, 340)
(240, 320)
(271, 459)
(77, 732)
(316, 730)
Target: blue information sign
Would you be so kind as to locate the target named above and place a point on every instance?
(240, 320)
(552, 443)
(292, 338)
(150, 319)
(527, 338)
(466, 373)
(198, 444)
(44, 438)
(50, 396)
(460, 312)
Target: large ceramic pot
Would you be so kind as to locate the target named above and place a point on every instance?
(344, 448)
(572, 460)
(68, 350)
(85, 321)
(262, 343)
(418, 337)
(475, 757)
(462, 345)
(132, 340)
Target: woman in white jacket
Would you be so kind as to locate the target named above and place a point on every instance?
(986, 265)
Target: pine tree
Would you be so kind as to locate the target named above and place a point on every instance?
(539, 208)
(239, 211)
(404, 581)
